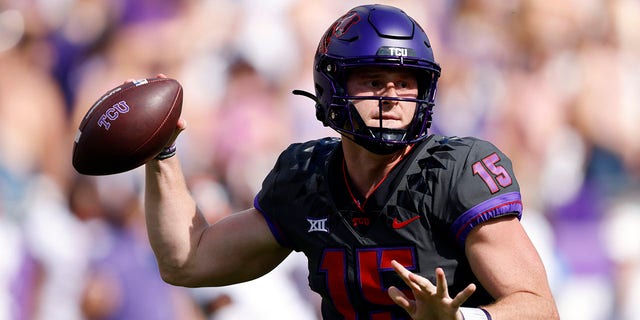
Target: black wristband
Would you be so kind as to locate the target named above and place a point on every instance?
(167, 152)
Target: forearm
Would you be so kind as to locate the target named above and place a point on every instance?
(174, 224)
(523, 305)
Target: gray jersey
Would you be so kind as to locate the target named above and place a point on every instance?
(420, 216)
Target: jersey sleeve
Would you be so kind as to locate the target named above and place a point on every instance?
(291, 189)
(274, 192)
(267, 196)
(486, 188)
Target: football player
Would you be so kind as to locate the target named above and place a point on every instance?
(396, 223)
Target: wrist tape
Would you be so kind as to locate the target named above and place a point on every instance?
(475, 314)
(167, 152)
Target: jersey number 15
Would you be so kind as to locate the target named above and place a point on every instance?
(492, 174)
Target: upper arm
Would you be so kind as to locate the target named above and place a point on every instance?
(504, 259)
(238, 248)
(506, 263)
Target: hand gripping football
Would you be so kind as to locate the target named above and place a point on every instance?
(127, 126)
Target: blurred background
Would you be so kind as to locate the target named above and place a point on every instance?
(554, 84)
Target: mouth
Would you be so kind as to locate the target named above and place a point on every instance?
(387, 121)
(390, 117)
(386, 116)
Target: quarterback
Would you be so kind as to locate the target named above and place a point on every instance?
(396, 223)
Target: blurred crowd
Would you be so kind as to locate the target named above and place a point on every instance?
(554, 84)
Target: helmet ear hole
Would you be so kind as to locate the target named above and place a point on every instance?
(320, 115)
(429, 119)
(337, 116)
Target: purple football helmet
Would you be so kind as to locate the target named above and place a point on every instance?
(373, 35)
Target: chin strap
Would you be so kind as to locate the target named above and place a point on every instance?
(305, 94)
(377, 147)
(319, 112)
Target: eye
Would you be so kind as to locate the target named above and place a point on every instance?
(403, 84)
(374, 83)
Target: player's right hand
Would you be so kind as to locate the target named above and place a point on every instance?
(180, 126)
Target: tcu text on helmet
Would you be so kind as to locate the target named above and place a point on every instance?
(112, 114)
(398, 52)
(395, 51)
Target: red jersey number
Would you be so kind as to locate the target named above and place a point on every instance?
(370, 263)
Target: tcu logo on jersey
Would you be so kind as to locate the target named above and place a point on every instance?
(316, 225)
(112, 114)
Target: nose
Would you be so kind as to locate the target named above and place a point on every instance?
(389, 91)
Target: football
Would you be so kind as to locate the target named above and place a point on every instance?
(127, 126)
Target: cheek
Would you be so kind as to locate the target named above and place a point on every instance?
(408, 111)
(365, 107)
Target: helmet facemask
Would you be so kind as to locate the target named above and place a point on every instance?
(343, 116)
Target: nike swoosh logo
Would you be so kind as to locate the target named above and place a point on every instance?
(401, 224)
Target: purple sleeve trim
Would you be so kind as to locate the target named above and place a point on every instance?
(505, 204)
(486, 313)
(275, 230)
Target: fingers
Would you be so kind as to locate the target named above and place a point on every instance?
(159, 75)
(429, 301)
(405, 275)
(181, 125)
(398, 297)
(420, 284)
(463, 295)
(441, 283)
(415, 282)
(401, 299)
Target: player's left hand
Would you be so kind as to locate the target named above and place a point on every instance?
(432, 302)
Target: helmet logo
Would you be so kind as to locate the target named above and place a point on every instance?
(395, 51)
(345, 23)
(338, 29)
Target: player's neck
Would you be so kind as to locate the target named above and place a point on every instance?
(366, 169)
